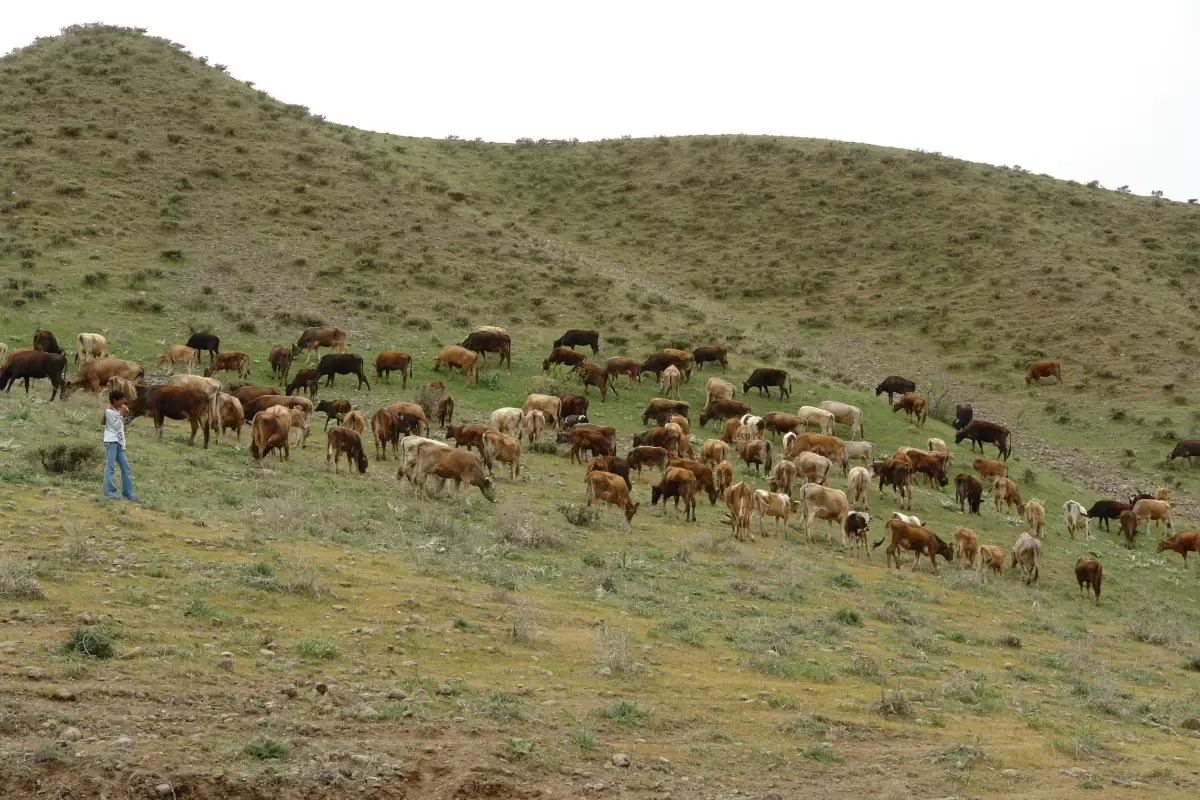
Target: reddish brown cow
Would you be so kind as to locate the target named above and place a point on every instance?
(678, 483)
(617, 466)
(587, 437)
(174, 402)
(573, 404)
(1043, 369)
(913, 406)
(45, 342)
(1089, 573)
(246, 394)
(385, 430)
(341, 441)
(660, 404)
(563, 355)
(305, 379)
(229, 362)
(648, 456)
(1183, 543)
(920, 540)
(704, 476)
(467, 436)
(623, 366)
(710, 355)
(280, 360)
(445, 409)
(391, 361)
(595, 375)
(931, 465)
(724, 409)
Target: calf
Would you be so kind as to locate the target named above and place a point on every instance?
(1089, 573)
(859, 482)
(203, 342)
(718, 389)
(917, 538)
(710, 355)
(334, 409)
(589, 438)
(1028, 553)
(931, 465)
(90, 345)
(467, 436)
(813, 468)
(756, 452)
(968, 491)
(563, 355)
(605, 487)
(230, 362)
(966, 546)
(533, 423)
(669, 383)
(764, 378)
(175, 355)
(819, 418)
(270, 432)
(1043, 369)
(579, 338)
(678, 483)
(453, 357)
(173, 402)
(855, 529)
(772, 504)
(704, 477)
(623, 366)
(1035, 515)
(229, 416)
(45, 342)
(845, 414)
(334, 364)
(1107, 510)
(739, 498)
(665, 436)
(783, 476)
(462, 467)
(724, 476)
(1183, 543)
(991, 559)
(980, 432)
(411, 415)
(894, 384)
(1188, 448)
(1077, 519)
(306, 380)
(1005, 491)
(617, 466)
(445, 411)
(913, 406)
(280, 360)
(648, 456)
(503, 448)
(821, 502)
(391, 361)
(385, 430)
(341, 441)
(897, 473)
(990, 470)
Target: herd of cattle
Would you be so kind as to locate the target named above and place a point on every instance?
(798, 458)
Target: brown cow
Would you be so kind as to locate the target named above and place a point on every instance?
(306, 379)
(756, 452)
(573, 405)
(740, 499)
(177, 354)
(95, 374)
(623, 366)
(679, 483)
(733, 427)
(173, 402)
(390, 361)
(931, 465)
(462, 467)
(268, 401)
(488, 339)
(270, 432)
(313, 339)
(981, 432)
(1183, 543)
(648, 456)
(917, 538)
(590, 438)
(1043, 369)
(409, 414)
(334, 410)
(595, 375)
(1005, 491)
(724, 476)
(660, 404)
(563, 355)
(778, 422)
(704, 477)
(897, 473)
(454, 357)
(968, 491)
(341, 441)
(503, 448)
(1129, 527)
(246, 394)
(783, 476)
(665, 436)
(229, 416)
(354, 421)
(280, 360)
(617, 466)
(966, 546)
(230, 362)
(577, 337)
(710, 355)
(774, 504)
(445, 409)
(991, 558)
(45, 342)
(385, 430)
(913, 405)
(1089, 573)
(467, 436)
(721, 409)
(990, 470)
(831, 447)
(714, 451)
(605, 487)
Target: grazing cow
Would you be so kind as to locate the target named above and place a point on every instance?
(669, 383)
(968, 492)
(764, 378)
(894, 384)
(1107, 510)
(724, 476)
(966, 546)
(177, 355)
(648, 456)
(266, 402)
(859, 451)
(679, 483)
(733, 431)
(454, 357)
(911, 520)
(411, 415)
(831, 447)
(660, 404)
(1089, 573)
(203, 342)
(229, 416)
(127, 388)
(659, 361)
(936, 446)
(897, 473)
(812, 468)
(574, 404)
(1035, 515)
(280, 360)
(1043, 369)
(299, 421)
(780, 422)
(313, 339)
(916, 538)
(354, 421)
(594, 375)
(467, 436)
(490, 340)
(548, 404)
(90, 345)
(1006, 491)
(665, 436)
(173, 402)
(445, 410)
(980, 432)
(859, 482)
(821, 502)
(719, 389)
(710, 355)
(270, 432)
(739, 498)
(991, 558)
(714, 451)
(605, 487)
(464, 468)
(334, 409)
(913, 406)
(95, 374)
(1154, 510)
(963, 414)
(721, 409)
(750, 427)
(783, 476)
(1188, 448)
(756, 452)
(854, 531)
(607, 431)
(246, 394)
(989, 470)
(819, 418)
(617, 466)
(931, 465)
(3, 353)
(1028, 553)
(1077, 519)
(507, 420)
(229, 362)
(579, 338)
(773, 504)
(385, 430)
(306, 380)
(533, 423)
(623, 366)
(590, 438)
(503, 448)
(563, 355)
(675, 419)
(1183, 543)
(410, 447)
(45, 342)
(390, 361)
(334, 364)
(845, 414)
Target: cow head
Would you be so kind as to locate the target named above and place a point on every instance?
(487, 488)
(361, 459)
(630, 510)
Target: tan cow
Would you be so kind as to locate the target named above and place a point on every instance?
(845, 414)
(831, 447)
(713, 452)
(717, 389)
(1005, 491)
(503, 448)
(783, 476)
(90, 345)
(991, 559)
(405, 410)
(773, 504)
(534, 422)
(95, 374)
(859, 482)
(548, 404)
(723, 475)
(669, 383)
(461, 466)
(230, 362)
(453, 357)
(410, 447)
(313, 339)
(821, 502)
(507, 420)
(385, 430)
(355, 421)
(740, 499)
(605, 487)
(210, 386)
(127, 388)
(270, 432)
(177, 355)
(812, 468)
(1028, 553)
(1035, 515)
(990, 469)
(966, 546)
(1154, 510)
(817, 418)
(229, 416)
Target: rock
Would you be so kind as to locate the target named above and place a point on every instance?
(368, 712)
(1010, 773)
(1194, 734)
(772, 796)
(339, 608)
(63, 696)
(266, 653)
(164, 790)
(621, 760)
(8, 647)
(397, 694)
(290, 691)
(34, 673)
(1191, 723)
(226, 664)
(1116, 782)
(123, 741)
(359, 758)
(1073, 772)
(1136, 785)
(71, 735)
(445, 688)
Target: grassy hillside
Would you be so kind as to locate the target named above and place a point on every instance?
(499, 650)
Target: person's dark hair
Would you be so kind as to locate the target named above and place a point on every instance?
(114, 396)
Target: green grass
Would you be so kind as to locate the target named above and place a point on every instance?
(265, 748)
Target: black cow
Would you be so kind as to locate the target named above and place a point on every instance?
(894, 384)
(205, 341)
(574, 404)
(1188, 448)
(968, 491)
(579, 338)
(34, 365)
(710, 355)
(1106, 510)
(484, 342)
(963, 414)
(979, 432)
(44, 342)
(657, 362)
(765, 378)
(332, 364)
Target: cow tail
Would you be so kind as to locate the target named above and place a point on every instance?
(768, 450)
(876, 545)
(789, 383)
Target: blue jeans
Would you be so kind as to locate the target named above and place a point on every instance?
(114, 453)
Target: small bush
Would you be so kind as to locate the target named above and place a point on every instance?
(318, 648)
(172, 255)
(844, 580)
(93, 642)
(199, 608)
(848, 616)
(823, 753)
(614, 650)
(19, 582)
(501, 706)
(67, 458)
(1193, 663)
(893, 705)
(580, 516)
(897, 614)
(266, 748)
(95, 279)
(625, 712)
(1155, 626)
(545, 446)
(490, 380)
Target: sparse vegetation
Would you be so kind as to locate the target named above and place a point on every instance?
(93, 641)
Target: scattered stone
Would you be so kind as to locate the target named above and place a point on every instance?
(621, 760)
(445, 689)
(772, 796)
(397, 694)
(164, 790)
(1010, 773)
(8, 647)
(123, 741)
(1116, 782)
(1194, 734)
(1136, 785)
(290, 691)
(71, 734)
(367, 711)
(63, 696)
(408, 663)
(35, 673)
(266, 653)
(359, 758)
(1191, 723)
(339, 608)
(1073, 772)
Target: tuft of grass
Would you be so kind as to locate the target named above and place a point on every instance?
(580, 516)
(318, 647)
(625, 712)
(614, 650)
(502, 707)
(19, 582)
(897, 614)
(199, 608)
(822, 753)
(1157, 624)
(265, 748)
(848, 616)
(94, 641)
(895, 704)
(844, 580)
(69, 459)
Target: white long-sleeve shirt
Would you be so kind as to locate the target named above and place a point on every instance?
(114, 427)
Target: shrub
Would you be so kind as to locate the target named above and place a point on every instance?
(93, 642)
(490, 380)
(580, 516)
(95, 279)
(845, 580)
(501, 706)
(265, 748)
(318, 647)
(172, 254)
(199, 608)
(67, 458)
(625, 712)
(427, 399)
(19, 582)
(613, 650)
(848, 616)
(1156, 625)
(893, 705)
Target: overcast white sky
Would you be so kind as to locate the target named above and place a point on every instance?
(1083, 90)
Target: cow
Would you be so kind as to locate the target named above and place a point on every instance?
(27, 365)
(911, 520)
(391, 361)
(333, 364)
(1154, 510)
(714, 451)
(935, 445)
(306, 380)
(783, 477)
(704, 477)
(897, 473)
(334, 410)
(127, 388)
(963, 414)
(95, 374)
(410, 448)
(733, 431)
(858, 480)
(489, 340)
(845, 414)
(773, 504)
(859, 451)
(723, 473)
(719, 389)
(756, 452)
(313, 339)
(247, 393)
(1183, 543)
(507, 420)
(623, 366)
(658, 405)
(894, 384)
(1107, 510)
(966, 546)
(821, 502)
(574, 404)
(669, 383)
(467, 436)
(917, 538)
(968, 492)
(667, 437)
(579, 338)
(210, 386)
(1005, 491)
(563, 355)
(503, 448)
(980, 432)
(605, 487)
(464, 468)
(594, 375)
(1188, 448)
(385, 430)
(1043, 369)
(175, 355)
(648, 456)
(90, 345)
(229, 362)
(173, 402)
(270, 432)
(592, 439)
(1077, 518)
(764, 378)
(453, 357)
(854, 531)
(533, 423)
(260, 404)
(203, 342)
(989, 470)
(45, 342)
(675, 419)
(1027, 552)
(229, 416)
(721, 409)
(991, 559)
(445, 410)
(280, 360)
(739, 498)
(831, 447)
(931, 465)
(548, 404)
(1089, 573)
(657, 362)
(617, 466)
(710, 355)
(681, 484)
(354, 421)
(819, 418)
(1129, 528)
(1035, 514)
(812, 468)
(913, 406)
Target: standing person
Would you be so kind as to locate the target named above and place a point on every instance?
(114, 448)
